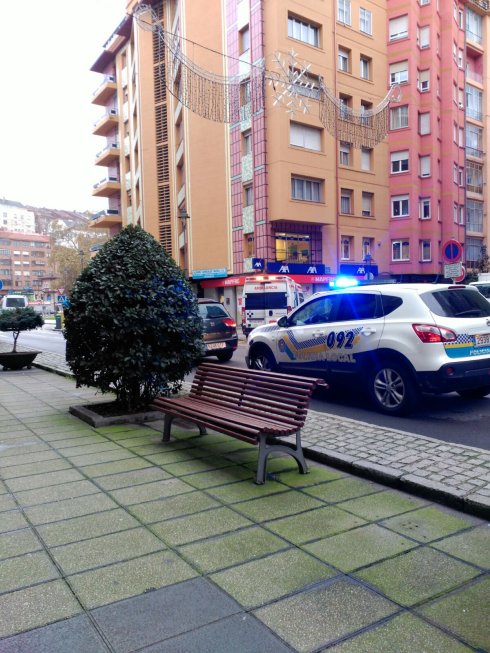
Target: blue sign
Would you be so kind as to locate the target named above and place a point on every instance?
(297, 268)
(61, 298)
(358, 269)
(212, 273)
(1, 285)
(452, 251)
(258, 264)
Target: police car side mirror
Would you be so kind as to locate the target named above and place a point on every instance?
(282, 321)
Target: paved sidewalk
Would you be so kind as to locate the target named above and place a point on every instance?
(456, 475)
(111, 541)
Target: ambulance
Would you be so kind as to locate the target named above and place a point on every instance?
(266, 298)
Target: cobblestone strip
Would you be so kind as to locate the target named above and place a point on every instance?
(458, 472)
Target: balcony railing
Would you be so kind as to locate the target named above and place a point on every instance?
(99, 214)
(474, 225)
(475, 187)
(474, 37)
(481, 4)
(475, 77)
(472, 151)
(476, 114)
(107, 79)
(106, 180)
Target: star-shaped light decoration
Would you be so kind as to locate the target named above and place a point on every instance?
(291, 84)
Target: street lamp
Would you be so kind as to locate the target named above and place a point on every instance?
(81, 254)
(184, 216)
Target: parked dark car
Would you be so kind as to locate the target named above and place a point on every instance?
(220, 334)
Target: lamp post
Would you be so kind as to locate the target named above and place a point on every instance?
(81, 254)
(184, 216)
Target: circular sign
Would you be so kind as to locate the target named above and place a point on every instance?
(461, 276)
(452, 250)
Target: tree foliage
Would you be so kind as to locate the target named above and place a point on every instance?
(132, 326)
(19, 319)
(66, 245)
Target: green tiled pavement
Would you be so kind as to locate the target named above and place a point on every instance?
(327, 561)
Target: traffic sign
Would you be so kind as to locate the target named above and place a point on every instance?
(453, 270)
(1, 285)
(61, 291)
(452, 250)
(61, 298)
(461, 276)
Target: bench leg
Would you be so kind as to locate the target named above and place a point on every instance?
(265, 449)
(167, 425)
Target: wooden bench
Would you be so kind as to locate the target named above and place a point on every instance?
(251, 405)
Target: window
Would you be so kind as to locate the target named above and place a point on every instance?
(248, 196)
(399, 72)
(474, 177)
(424, 165)
(344, 56)
(425, 250)
(247, 142)
(474, 26)
(424, 208)
(367, 204)
(295, 248)
(344, 154)
(474, 102)
(346, 201)
(424, 123)
(460, 58)
(474, 140)
(365, 67)
(423, 37)
(455, 173)
(244, 40)
(307, 190)
(400, 250)
(366, 157)
(424, 2)
(461, 176)
(345, 247)
(398, 28)
(365, 21)
(399, 117)
(345, 105)
(399, 161)
(305, 136)
(474, 250)
(455, 213)
(367, 248)
(461, 215)
(364, 109)
(343, 11)
(303, 31)
(474, 215)
(423, 80)
(400, 206)
(245, 93)
(307, 86)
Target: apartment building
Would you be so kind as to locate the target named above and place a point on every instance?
(271, 188)
(14, 216)
(24, 263)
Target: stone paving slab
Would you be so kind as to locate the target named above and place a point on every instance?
(199, 558)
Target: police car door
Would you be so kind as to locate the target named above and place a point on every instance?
(300, 347)
(353, 337)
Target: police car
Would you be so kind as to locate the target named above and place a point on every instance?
(393, 340)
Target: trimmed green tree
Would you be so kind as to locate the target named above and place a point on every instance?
(132, 326)
(19, 319)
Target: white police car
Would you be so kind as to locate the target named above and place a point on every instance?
(393, 340)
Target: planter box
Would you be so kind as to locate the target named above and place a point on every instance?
(16, 360)
(94, 419)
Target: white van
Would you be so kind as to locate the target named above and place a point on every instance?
(14, 301)
(266, 298)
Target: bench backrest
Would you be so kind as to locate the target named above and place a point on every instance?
(282, 398)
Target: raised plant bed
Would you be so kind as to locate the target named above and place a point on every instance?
(16, 360)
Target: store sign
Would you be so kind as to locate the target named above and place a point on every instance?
(211, 273)
(297, 268)
(358, 269)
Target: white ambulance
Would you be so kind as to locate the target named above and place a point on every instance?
(266, 298)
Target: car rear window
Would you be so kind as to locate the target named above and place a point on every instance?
(212, 311)
(457, 303)
(261, 301)
(15, 302)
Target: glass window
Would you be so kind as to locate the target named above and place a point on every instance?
(305, 136)
(307, 190)
(358, 306)
(399, 117)
(295, 248)
(457, 303)
(424, 37)
(424, 166)
(367, 204)
(343, 64)
(345, 200)
(319, 310)
(365, 21)
(425, 250)
(424, 208)
(343, 11)
(344, 155)
(400, 206)
(365, 68)
(399, 72)
(399, 161)
(345, 247)
(398, 28)
(303, 31)
(248, 196)
(366, 158)
(400, 250)
(424, 123)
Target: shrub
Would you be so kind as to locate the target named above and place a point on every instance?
(132, 326)
(19, 319)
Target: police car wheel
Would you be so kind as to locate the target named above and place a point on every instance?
(391, 389)
(262, 359)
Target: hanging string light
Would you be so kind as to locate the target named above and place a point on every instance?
(233, 98)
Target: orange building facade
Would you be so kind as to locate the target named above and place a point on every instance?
(273, 190)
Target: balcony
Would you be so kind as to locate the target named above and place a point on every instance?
(105, 219)
(475, 114)
(472, 76)
(480, 4)
(107, 187)
(473, 152)
(106, 123)
(108, 155)
(105, 91)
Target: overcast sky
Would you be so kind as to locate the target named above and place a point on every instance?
(47, 149)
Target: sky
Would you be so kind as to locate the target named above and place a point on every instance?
(47, 150)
